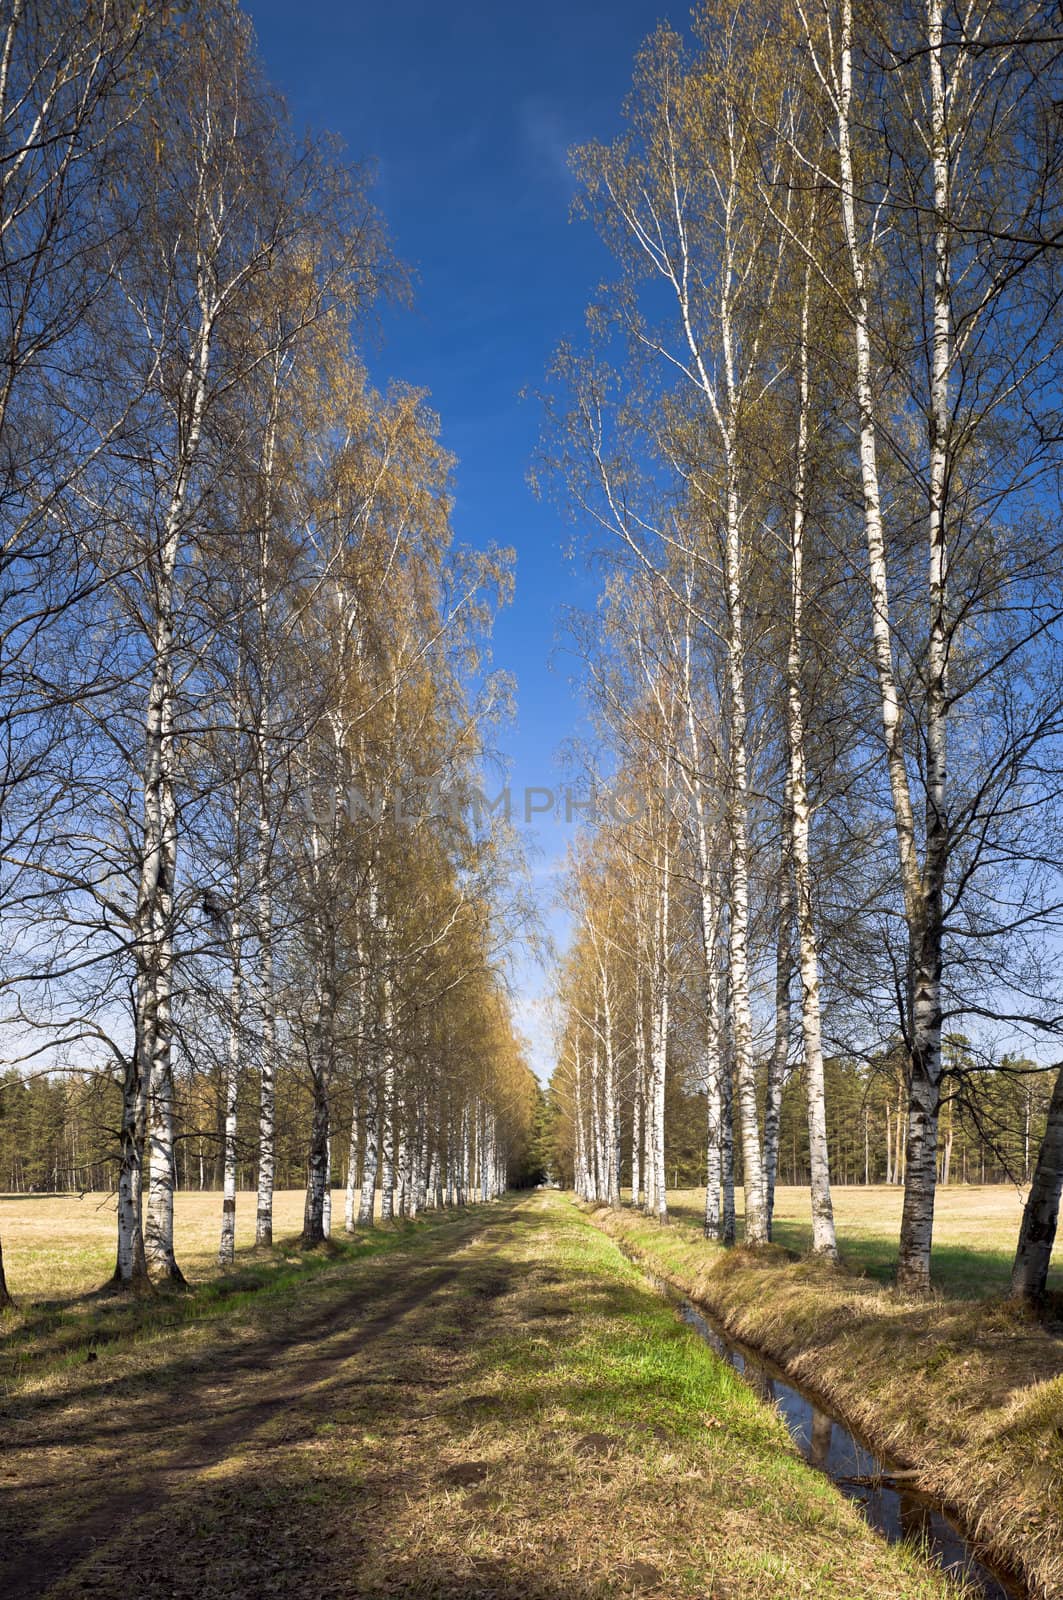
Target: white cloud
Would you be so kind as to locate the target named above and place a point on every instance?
(546, 139)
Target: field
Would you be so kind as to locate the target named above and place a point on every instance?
(489, 1404)
(59, 1245)
(56, 1245)
(975, 1230)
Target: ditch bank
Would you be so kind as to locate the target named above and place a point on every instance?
(964, 1398)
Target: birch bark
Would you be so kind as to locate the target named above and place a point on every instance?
(326, 1202)
(131, 1266)
(154, 910)
(387, 1125)
(227, 1244)
(263, 914)
(709, 928)
(354, 1147)
(729, 1221)
(611, 1111)
(923, 894)
(784, 965)
(924, 1096)
(824, 1241)
(581, 1174)
(639, 1094)
(1037, 1235)
(659, 1028)
(597, 1138)
(370, 1158)
(317, 1165)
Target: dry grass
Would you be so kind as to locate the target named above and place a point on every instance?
(60, 1245)
(491, 1405)
(975, 1230)
(967, 1391)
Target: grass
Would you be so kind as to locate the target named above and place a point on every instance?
(492, 1404)
(65, 1243)
(975, 1230)
(62, 1247)
(967, 1390)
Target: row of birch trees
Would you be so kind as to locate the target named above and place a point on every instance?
(241, 658)
(812, 435)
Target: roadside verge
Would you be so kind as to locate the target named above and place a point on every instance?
(967, 1394)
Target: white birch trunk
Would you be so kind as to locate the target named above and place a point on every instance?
(131, 1265)
(784, 964)
(354, 1145)
(756, 1219)
(317, 1165)
(354, 1142)
(425, 1163)
(267, 1160)
(597, 1145)
(451, 1192)
(326, 1198)
(159, 854)
(370, 1158)
(611, 1113)
(227, 1244)
(387, 1131)
(922, 899)
(824, 1241)
(463, 1157)
(709, 908)
(649, 1137)
(263, 736)
(402, 1159)
(869, 478)
(924, 1096)
(659, 1033)
(637, 1102)
(580, 1178)
(728, 1223)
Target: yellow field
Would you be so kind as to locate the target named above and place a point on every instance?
(975, 1230)
(977, 1217)
(64, 1246)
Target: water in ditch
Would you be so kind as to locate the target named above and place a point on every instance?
(891, 1505)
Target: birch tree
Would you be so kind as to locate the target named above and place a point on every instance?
(1037, 1235)
(956, 110)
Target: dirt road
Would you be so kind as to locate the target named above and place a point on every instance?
(498, 1408)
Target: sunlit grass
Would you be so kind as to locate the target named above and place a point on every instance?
(975, 1230)
(962, 1385)
(490, 1403)
(621, 1447)
(62, 1252)
(65, 1244)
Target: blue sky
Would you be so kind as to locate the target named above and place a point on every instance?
(468, 110)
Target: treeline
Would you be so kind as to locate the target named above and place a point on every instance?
(236, 640)
(993, 1123)
(59, 1134)
(811, 436)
